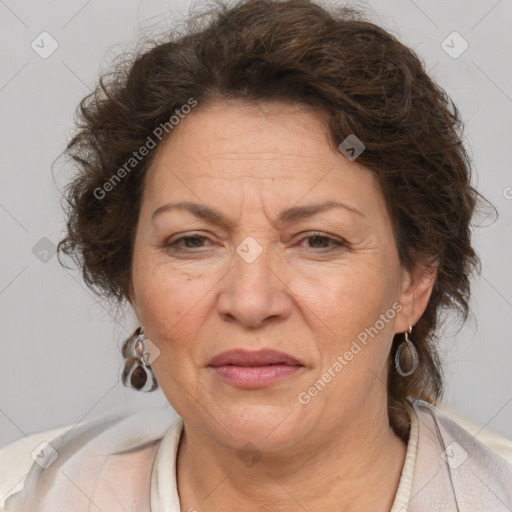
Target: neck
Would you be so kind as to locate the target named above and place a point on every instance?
(351, 468)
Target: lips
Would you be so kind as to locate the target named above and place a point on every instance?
(254, 369)
(264, 357)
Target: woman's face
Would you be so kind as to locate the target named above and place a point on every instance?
(323, 285)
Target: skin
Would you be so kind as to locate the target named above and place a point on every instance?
(305, 296)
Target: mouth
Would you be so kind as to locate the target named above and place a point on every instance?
(254, 369)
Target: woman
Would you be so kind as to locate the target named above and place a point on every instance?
(283, 198)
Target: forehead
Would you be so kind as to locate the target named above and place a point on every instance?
(250, 132)
(283, 151)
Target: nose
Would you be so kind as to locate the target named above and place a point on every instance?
(254, 293)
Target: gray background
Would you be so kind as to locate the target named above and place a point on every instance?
(60, 360)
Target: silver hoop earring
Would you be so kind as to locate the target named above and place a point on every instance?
(141, 371)
(406, 357)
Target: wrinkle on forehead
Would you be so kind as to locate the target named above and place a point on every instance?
(234, 158)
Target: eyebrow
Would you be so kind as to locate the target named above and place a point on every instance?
(288, 215)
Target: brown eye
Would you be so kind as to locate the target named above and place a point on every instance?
(186, 243)
(319, 242)
(323, 242)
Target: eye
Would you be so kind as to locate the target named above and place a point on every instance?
(317, 241)
(324, 242)
(187, 243)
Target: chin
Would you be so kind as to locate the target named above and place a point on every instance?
(269, 427)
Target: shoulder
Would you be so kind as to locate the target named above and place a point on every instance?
(459, 463)
(119, 444)
(499, 444)
(17, 458)
(459, 427)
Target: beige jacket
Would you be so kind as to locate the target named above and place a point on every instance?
(126, 462)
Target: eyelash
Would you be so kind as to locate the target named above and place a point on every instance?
(337, 243)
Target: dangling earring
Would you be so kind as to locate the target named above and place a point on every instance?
(406, 357)
(141, 370)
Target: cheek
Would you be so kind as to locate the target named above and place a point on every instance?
(171, 306)
(171, 310)
(168, 299)
(348, 303)
(353, 294)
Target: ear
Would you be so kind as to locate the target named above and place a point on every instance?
(417, 286)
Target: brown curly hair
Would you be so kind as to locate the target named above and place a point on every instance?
(361, 76)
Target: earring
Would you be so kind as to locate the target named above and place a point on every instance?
(406, 357)
(141, 371)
